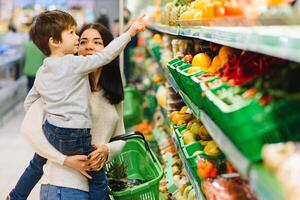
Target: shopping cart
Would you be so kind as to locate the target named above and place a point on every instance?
(141, 164)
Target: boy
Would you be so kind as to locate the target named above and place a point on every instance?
(62, 82)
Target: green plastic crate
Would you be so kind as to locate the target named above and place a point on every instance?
(189, 85)
(178, 75)
(140, 165)
(133, 110)
(248, 124)
(173, 64)
(178, 130)
(188, 152)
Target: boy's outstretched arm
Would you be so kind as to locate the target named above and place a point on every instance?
(87, 64)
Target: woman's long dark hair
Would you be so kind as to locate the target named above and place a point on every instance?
(110, 79)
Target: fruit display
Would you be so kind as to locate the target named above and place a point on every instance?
(145, 128)
(180, 117)
(172, 11)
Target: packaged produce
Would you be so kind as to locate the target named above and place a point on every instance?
(227, 187)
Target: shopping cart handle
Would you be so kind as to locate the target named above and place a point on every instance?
(135, 134)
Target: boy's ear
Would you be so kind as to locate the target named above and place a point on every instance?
(53, 43)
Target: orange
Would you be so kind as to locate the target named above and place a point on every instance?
(219, 10)
(208, 11)
(224, 54)
(215, 65)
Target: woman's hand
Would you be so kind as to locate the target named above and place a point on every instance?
(79, 163)
(98, 157)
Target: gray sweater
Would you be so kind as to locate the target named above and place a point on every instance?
(63, 84)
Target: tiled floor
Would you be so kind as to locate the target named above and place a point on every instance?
(15, 154)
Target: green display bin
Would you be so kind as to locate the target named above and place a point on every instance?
(188, 152)
(140, 165)
(178, 75)
(178, 130)
(133, 110)
(173, 64)
(189, 85)
(247, 124)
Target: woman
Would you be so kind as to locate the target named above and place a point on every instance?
(65, 181)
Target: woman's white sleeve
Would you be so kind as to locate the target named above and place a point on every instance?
(116, 147)
(31, 128)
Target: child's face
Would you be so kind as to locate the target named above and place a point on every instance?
(69, 44)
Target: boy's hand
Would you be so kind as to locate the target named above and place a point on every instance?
(137, 26)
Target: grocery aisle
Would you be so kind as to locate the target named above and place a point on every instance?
(15, 153)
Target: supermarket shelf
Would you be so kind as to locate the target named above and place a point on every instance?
(231, 152)
(278, 41)
(265, 184)
(198, 191)
(261, 181)
(173, 30)
(195, 184)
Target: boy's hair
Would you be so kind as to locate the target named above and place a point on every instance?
(50, 24)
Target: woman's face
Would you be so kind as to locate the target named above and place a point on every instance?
(90, 42)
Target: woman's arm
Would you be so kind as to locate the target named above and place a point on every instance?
(116, 147)
(31, 128)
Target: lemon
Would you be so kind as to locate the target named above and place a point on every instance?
(202, 60)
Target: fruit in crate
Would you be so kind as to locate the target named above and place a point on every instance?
(195, 127)
(187, 191)
(206, 169)
(198, 4)
(188, 58)
(180, 117)
(204, 135)
(232, 9)
(183, 110)
(188, 137)
(201, 60)
(192, 195)
(224, 54)
(211, 149)
(216, 65)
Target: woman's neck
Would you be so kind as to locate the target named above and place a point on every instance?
(96, 78)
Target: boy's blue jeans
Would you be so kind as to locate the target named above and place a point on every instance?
(69, 142)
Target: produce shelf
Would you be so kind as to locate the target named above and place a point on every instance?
(198, 191)
(261, 180)
(279, 41)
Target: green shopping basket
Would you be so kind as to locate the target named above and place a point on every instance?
(140, 164)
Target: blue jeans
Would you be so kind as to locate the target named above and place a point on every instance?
(69, 142)
(29, 178)
(51, 192)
